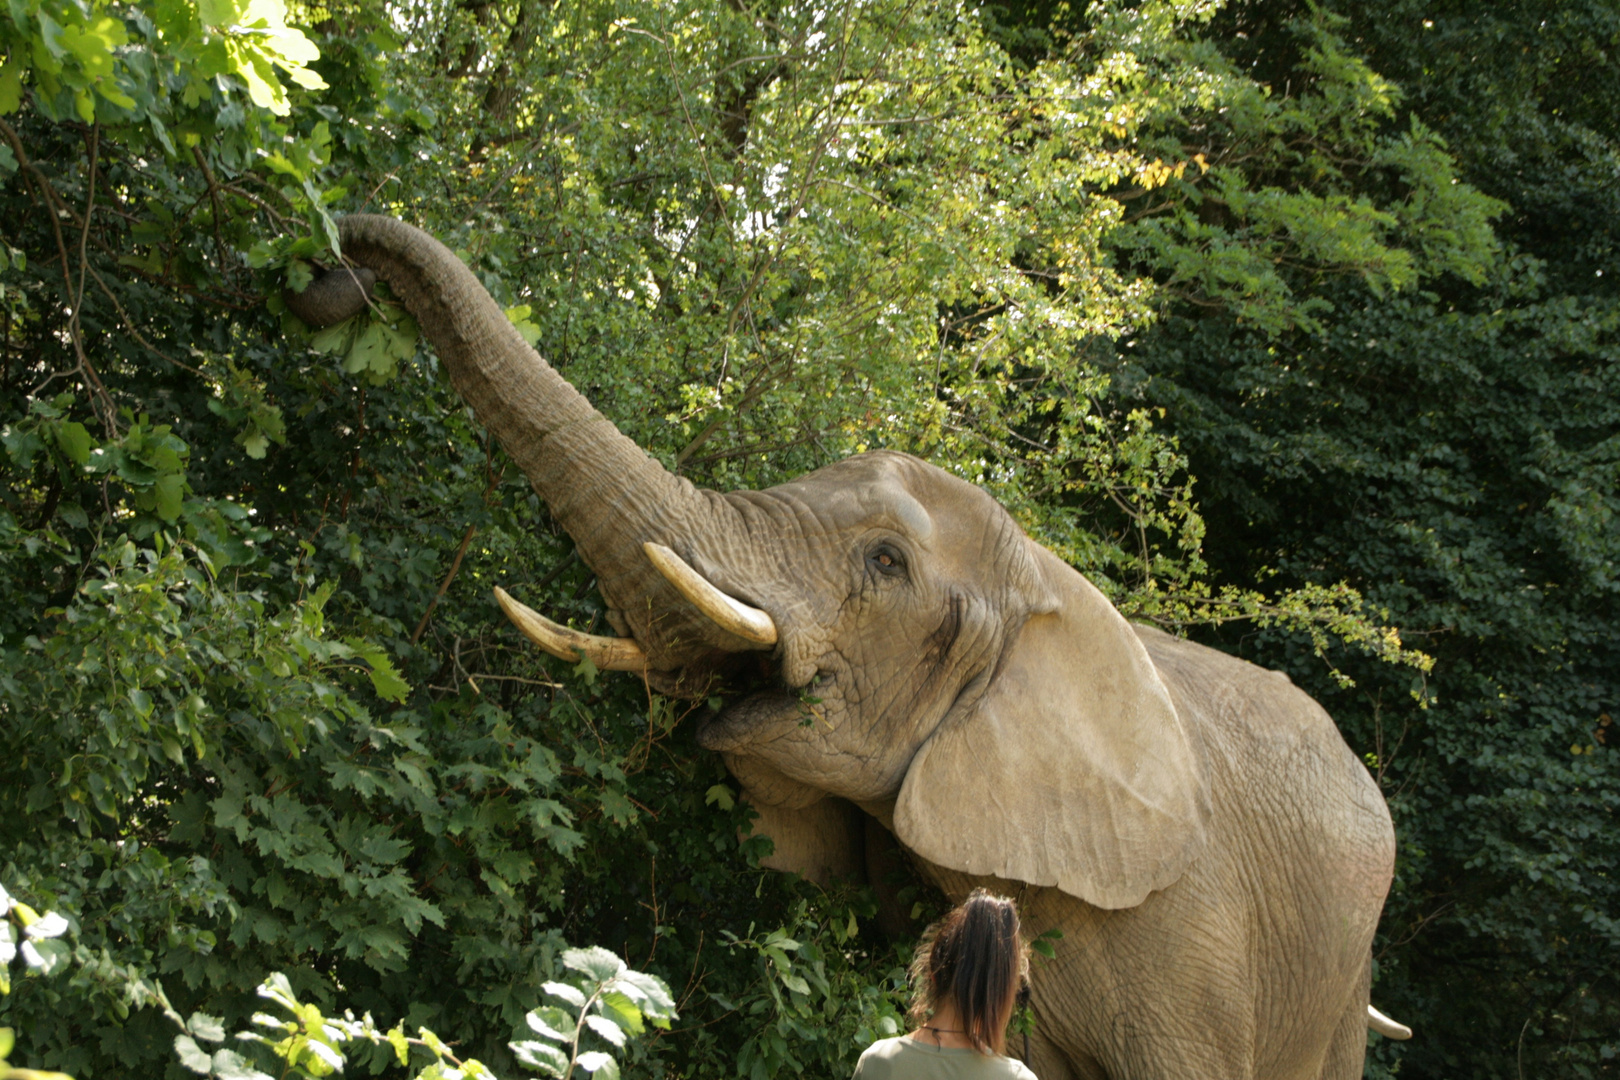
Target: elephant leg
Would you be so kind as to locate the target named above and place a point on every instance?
(885, 865)
(1048, 1062)
(1347, 1051)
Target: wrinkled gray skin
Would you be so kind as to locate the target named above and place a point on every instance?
(1213, 852)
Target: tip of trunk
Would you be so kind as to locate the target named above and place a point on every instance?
(334, 296)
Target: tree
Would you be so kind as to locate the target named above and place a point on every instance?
(266, 716)
(1446, 447)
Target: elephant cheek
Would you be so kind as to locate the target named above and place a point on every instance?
(765, 784)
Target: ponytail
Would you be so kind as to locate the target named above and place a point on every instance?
(975, 957)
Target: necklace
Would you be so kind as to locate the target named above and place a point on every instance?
(938, 1031)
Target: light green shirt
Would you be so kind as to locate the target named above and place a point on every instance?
(906, 1059)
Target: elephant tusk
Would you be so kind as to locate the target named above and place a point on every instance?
(729, 614)
(608, 654)
(1389, 1029)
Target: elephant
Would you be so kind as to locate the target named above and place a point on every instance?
(1214, 853)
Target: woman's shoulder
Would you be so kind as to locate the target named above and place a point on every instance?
(877, 1060)
(1017, 1070)
(1010, 1068)
(897, 1058)
(887, 1049)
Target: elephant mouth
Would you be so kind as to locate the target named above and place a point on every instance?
(750, 679)
(741, 723)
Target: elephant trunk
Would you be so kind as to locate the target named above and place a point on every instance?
(608, 494)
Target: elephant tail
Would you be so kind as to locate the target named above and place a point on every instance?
(1389, 1029)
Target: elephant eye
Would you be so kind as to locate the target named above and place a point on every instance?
(885, 561)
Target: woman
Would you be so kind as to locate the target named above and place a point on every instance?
(965, 983)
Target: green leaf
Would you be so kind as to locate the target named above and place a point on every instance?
(603, 1065)
(606, 1028)
(402, 1047)
(192, 1056)
(369, 351)
(550, 1022)
(109, 90)
(263, 87)
(10, 92)
(625, 1011)
(49, 925)
(46, 957)
(281, 164)
(299, 275)
(74, 440)
(385, 678)
(596, 962)
(567, 993)
(542, 1056)
(162, 133)
(50, 36)
(219, 12)
(520, 318)
(328, 224)
(335, 338)
(229, 1065)
(205, 1027)
(720, 795)
(169, 491)
(617, 806)
(650, 992)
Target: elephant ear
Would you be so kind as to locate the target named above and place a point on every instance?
(1071, 766)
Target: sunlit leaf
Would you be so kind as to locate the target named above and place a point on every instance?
(551, 1023)
(192, 1056)
(229, 1065)
(606, 1028)
(48, 925)
(567, 993)
(542, 1056)
(596, 962)
(603, 1065)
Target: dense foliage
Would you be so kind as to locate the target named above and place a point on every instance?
(265, 718)
(1451, 450)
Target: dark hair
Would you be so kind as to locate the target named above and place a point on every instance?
(975, 957)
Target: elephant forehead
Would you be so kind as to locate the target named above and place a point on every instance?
(867, 490)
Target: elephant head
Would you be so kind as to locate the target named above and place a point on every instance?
(927, 660)
(962, 684)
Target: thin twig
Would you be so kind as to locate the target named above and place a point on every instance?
(495, 479)
(55, 209)
(213, 197)
(281, 219)
(129, 324)
(444, 586)
(471, 675)
(378, 188)
(84, 232)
